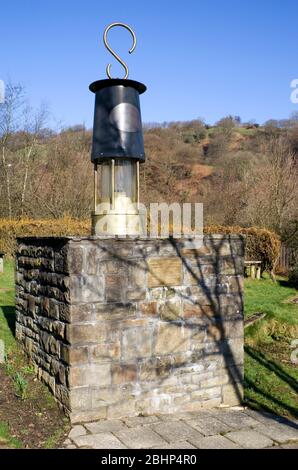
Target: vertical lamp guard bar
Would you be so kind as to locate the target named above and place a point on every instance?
(113, 183)
(138, 184)
(95, 186)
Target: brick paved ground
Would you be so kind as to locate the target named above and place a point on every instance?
(223, 428)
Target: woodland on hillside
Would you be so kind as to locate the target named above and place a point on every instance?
(244, 173)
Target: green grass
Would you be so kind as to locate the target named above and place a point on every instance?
(7, 311)
(240, 130)
(16, 364)
(6, 439)
(271, 379)
(244, 131)
(51, 442)
(269, 297)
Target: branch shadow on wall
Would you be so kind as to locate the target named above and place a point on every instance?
(209, 273)
(212, 319)
(216, 298)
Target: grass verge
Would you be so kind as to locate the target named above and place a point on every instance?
(26, 404)
(271, 377)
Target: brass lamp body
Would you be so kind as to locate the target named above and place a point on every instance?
(116, 199)
(117, 151)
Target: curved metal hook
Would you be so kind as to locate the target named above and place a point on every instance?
(113, 52)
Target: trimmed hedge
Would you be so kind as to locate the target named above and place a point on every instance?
(11, 229)
(261, 244)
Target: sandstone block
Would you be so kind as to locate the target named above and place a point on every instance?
(155, 368)
(116, 287)
(107, 395)
(102, 352)
(85, 333)
(75, 259)
(232, 394)
(92, 374)
(80, 398)
(202, 404)
(149, 308)
(85, 288)
(171, 338)
(164, 272)
(125, 373)
(171, 310)
(74, 355)
(136, 343)
(124, 408)
(83, 416)
(113, 311)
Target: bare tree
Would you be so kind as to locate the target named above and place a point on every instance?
(34, 123)
(274, 201)
(9, 124)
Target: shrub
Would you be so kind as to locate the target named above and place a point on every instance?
(261, 244)
(11, 229)
(293, 276)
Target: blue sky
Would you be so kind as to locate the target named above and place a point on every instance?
(197, 58)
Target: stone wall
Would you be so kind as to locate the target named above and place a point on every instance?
(122, 327)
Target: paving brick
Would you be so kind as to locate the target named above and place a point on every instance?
(184, 415)
(214, 442)
(249, 439)
(140, 438)
(280, 433)
(76, 431)
(67, 442)
(140, 421)
(105, 426)
(176, 445)
(209, 426)
(176, 431)
(236, 419)
(104, 440)
(290, 446)
(202, 429)
(268, 418)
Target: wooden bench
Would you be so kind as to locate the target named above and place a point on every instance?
(1, 261)
(253, 269)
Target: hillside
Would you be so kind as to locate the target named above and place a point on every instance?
(244, 174)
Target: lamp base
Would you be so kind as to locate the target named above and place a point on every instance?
(119, 224)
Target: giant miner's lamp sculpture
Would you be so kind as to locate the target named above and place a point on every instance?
(119, 327)
(117, 151)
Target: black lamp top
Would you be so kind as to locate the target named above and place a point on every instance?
(109, 82)
(117, 129)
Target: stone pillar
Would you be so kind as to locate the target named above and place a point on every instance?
(121, 327)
